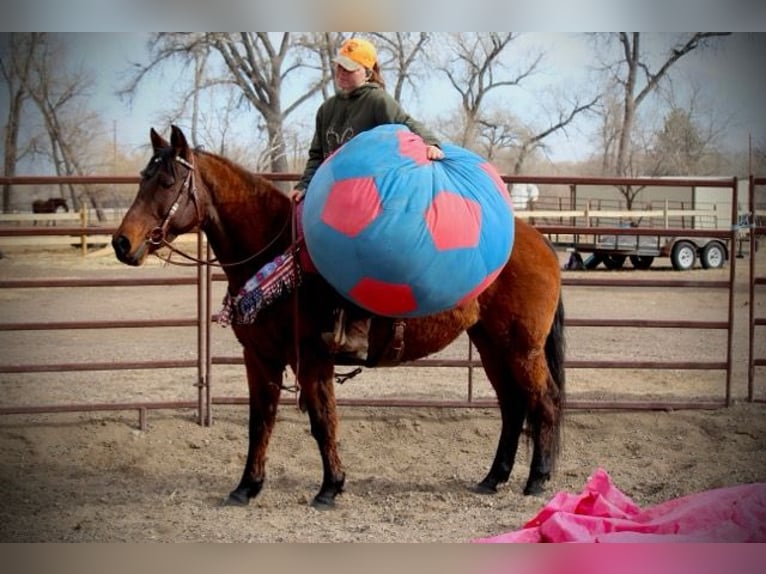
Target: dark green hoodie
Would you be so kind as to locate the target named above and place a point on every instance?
(344, 115)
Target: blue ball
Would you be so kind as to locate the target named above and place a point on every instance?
(403, 236)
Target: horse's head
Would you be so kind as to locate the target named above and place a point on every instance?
(167, 204)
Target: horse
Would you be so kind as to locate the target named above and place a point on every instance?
(50, 205)
(516, 323)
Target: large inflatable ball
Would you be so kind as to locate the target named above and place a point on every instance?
(403, 236)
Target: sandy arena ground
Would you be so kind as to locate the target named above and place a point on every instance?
(97, 477)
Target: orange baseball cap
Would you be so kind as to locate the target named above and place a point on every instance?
(356, 53)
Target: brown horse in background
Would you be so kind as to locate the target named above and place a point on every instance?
(50, 205)
(516, 323)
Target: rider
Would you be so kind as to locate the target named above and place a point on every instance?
(360, 103)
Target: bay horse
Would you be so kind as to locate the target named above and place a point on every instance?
(516, 324)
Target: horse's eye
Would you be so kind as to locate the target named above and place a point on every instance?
(166, 180)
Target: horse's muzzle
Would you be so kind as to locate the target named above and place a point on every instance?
(121, 246)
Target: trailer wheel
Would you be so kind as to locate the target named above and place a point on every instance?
(713, 255)
(614, 261)
(683, 256)
(641, 261)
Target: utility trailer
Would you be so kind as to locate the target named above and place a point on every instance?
(614, 250)
(590, 249)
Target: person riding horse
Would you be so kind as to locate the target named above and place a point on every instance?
(361, 104)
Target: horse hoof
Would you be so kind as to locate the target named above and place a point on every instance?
(484, 488)
(535, 489)
(323, 503)
(236, 498)
(536, 484)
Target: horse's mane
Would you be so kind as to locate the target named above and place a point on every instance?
(238, 182)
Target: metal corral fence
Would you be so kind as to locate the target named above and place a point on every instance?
(206, 361)
(757, 280)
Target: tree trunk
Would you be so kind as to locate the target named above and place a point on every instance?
(629, 105)
(11, 144)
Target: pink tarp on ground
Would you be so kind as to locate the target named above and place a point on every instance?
(601, 513)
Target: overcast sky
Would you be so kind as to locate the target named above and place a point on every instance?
(732, 79)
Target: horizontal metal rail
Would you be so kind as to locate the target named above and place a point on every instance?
(108, 366)
(206, 362)
(75, 325)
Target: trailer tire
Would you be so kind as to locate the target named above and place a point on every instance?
(683, 256)
(713, 255)
(641, 261)
(614, 261)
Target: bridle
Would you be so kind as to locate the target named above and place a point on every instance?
(157, 236)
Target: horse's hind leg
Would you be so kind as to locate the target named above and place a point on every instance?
(513, 408)
(318, 398)
(545, 414)
(264, 387)
(541, 422)
(543, 417)
(526, 390)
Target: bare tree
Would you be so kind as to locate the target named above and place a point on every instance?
(535, 139)
(609, 126)
(497, 132)
(686, 142)
(475, 69)
(635, 76)
(402, 54)
(638, 78)
(15, 65)
(258, 64)
(60, 95)
(679, 145)
(74, 134)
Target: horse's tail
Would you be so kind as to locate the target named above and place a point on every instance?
(555, 350)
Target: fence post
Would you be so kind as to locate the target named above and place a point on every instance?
(84, 225)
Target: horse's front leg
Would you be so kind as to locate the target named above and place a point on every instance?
(318, 398)
(264, 386)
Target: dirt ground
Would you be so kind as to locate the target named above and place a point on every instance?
(78, 477)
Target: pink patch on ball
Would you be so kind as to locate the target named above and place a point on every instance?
(352, 205)
(479, 289)
(412, 146)
(454, 221)
(391, 299)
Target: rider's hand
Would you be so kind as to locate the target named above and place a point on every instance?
(296, 194)
(433, 152)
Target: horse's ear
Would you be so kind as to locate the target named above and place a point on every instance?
(158, 142)
(178, 141)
